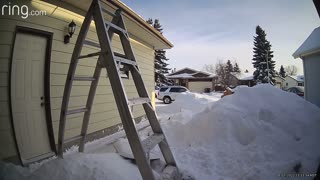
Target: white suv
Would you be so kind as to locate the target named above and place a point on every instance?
(169, 93)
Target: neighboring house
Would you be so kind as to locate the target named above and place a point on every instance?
(34, 61)
(245, 78)
(292, 81)
(280, 82)
(194, 80)
(309, 52)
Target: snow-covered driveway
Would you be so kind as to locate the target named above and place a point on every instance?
(257, 133)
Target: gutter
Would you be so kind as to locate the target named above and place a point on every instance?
(139, 19)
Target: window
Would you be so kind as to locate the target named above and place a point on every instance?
(163, 89)
(183, 90)
(286, 84)
(300, 84)
(177, 89)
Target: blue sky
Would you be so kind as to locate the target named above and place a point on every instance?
(204, 31)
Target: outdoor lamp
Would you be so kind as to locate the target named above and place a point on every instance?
(71, 30)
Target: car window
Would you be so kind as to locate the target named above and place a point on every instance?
(163, 89)
(175, 89)
(182, 90)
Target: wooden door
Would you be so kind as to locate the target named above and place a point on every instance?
(27, 97)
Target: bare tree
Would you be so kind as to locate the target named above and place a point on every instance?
(223, 73)
(291, 70)
(209, 68)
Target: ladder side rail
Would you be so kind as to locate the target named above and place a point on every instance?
(92, 92)
(142, 91)
(120, 96)
(72, 68)
(138, 81)
(90, 99)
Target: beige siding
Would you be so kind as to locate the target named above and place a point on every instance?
(290, 82)
(198, 86)
(104, 113)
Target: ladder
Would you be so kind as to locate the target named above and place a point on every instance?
(110, 60)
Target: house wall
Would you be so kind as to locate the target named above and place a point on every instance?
(104, 112)
(198, 86)
(311, 66)
(289, 82)
(279, 82)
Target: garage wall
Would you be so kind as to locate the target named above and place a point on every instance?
(199, 86)
(104, 112)
(311, 66)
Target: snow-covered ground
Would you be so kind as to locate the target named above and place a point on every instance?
(257, 133)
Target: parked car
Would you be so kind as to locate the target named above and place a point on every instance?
(169, 93)
(298, 90)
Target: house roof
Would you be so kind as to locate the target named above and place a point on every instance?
(190, 75)
(310, 46)
(243, 76)
(299, 78)
(136, 25)
(186, 68)
(183, 75)
(280, 77)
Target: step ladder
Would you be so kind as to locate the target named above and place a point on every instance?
(110, 60)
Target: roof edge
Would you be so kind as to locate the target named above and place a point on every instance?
(139, 19)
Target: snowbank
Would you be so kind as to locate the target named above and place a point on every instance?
(186, 104)
(256, 133)
(77, 167)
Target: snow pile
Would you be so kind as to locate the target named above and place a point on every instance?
(188, 103)
(256, 133)
(77, 167)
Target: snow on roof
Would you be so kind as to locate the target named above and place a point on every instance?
(183, 75)
(298, 78)
(310, 45)
(243, 76)
(190, 75)
(182, 70)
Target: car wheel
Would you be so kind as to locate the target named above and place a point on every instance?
(167, 100)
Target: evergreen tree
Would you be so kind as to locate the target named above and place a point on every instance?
(160, 62)
(262, 58)
(236, 68)
(228, 70)
(282, 72)
(229, 67)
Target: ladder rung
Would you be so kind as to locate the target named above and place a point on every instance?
(75, 111)
(116, 28)
(72, 139)
(108, 12)
(124, 60)
(90, 55)
(150, 142)
(91, 43)
(137, 101)
(83, 78)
